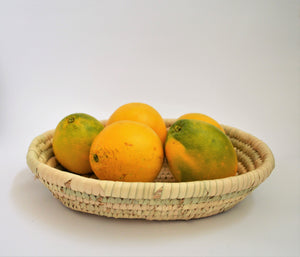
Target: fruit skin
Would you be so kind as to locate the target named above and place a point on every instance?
(127, 151)
(72, 140)
(197, 150)
(203, 117)
(143, 113)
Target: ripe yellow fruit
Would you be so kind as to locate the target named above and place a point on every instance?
(143, 113)
(127, 151)
(72, 140)
(203, 117)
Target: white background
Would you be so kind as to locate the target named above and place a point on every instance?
(237, 61)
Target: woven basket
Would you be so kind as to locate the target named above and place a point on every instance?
(163, 199)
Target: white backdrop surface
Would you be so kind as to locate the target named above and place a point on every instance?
(237, 61)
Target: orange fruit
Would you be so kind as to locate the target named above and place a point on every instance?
(143, 113)
(72, 140)
(197, 150)
(203, 117)
(127, 151)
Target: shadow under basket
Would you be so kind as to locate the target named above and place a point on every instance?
(163, 199)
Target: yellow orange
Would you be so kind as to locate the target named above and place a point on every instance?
(143, 113)
(203, 117)
(72, 140)
(127, 151)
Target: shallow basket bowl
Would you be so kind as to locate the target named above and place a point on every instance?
(163, 199)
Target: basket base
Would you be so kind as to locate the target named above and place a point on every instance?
(177, 211)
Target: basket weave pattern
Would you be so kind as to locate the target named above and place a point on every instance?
(163, 199)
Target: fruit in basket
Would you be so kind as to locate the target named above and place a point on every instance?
(72, 140)
(197, 150)
(203, 117)
(127, 151)
(143, 113)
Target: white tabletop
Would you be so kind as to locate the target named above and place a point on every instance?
(237, 61)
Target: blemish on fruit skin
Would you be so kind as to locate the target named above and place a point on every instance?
(122, 176)
(96, 158)
(128, 144)
(71, 119)
(177, 128)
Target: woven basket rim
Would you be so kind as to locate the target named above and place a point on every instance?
(153, 190)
